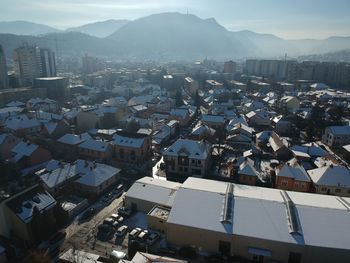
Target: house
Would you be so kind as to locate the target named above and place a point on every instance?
(94, 178)
(7, 142)
(279, 146)
(240, 141)
(258, 118)
(262, 138)
(312, 149)
(191, 85)
(21, 214)
(95, 149)
(216, 122)
(203, 132)
(182, 115)
(332, 179)
(247, 174)
(28, 154)
(336, 136)
(292, 178)
(161, 136)
(22, 125)
(188, 157)
(289, 103)
(69, 142)
(281, 125)
(98, 117)
(58, 181)
(235, 120)
(55, 129)
(132, 148)
(87, 178)
(243, 129)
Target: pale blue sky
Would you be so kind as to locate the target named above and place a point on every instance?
(290, 19)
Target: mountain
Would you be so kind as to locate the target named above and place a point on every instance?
(100, 29)
(342, 55)
(25, 28)
(173, 36)
(69, 44)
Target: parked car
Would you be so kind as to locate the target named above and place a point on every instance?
(121, 231)
(114, 216)
(133, 234)
(108, 221)
(107, 198)
(152, 238)
(142, 236)
(119, 190)
(125, 212)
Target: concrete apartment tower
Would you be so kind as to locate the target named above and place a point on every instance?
(4, 84)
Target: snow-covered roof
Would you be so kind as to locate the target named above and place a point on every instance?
(201, 129)
(331, 176)
(128, 141)
(340, 130)
(15, 103)
(21, 122)
(311, 149)
(95, 145)
(50, 126)
(190, 148)
(180, 112)
(154, 190)
(24, 204)
(297, 173)
(199, 203)
(94, 174)
(276, 142)
(58, 176)
(74, 139)
(263, 136)
(23, 149)
(247, 168)
(213, 118)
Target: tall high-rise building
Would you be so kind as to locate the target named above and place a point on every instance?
(33, 62)
(90, 64)
(48, 62)
(3, 70)
(230, 67)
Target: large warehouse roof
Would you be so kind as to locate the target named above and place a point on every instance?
(154, 190)
(270, 214)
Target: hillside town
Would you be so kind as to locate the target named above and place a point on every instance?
(202, 161)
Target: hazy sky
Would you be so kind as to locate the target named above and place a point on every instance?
(290, 19)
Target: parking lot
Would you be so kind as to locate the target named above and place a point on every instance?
(85, 235)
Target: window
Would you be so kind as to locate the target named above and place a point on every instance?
(180, 169)
(337, 190)
(186, 169)
(199, 162)
(324, 189)
(193, 161)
